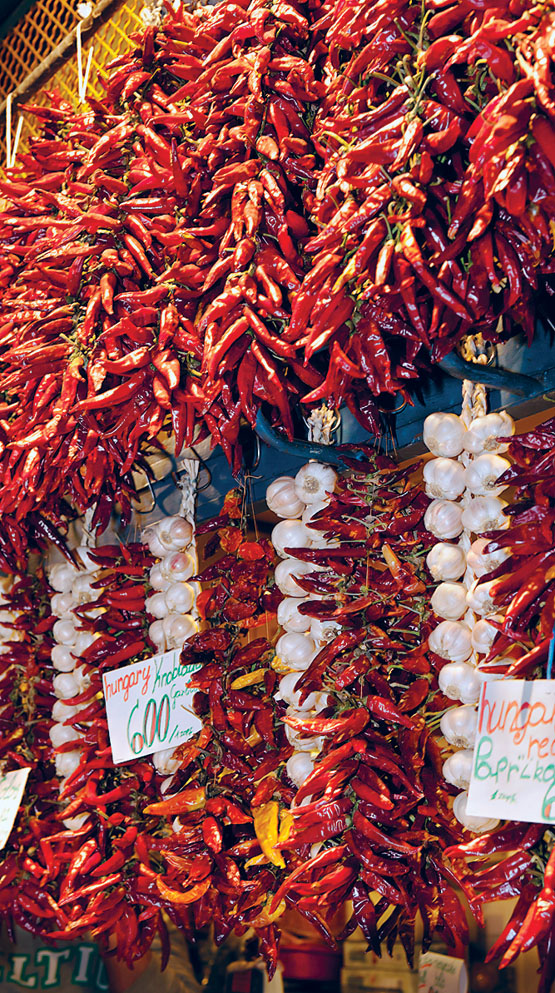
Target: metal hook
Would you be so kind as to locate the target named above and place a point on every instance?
(151, 491)
(500, 379)
(299, 449)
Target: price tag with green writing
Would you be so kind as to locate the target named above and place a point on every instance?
(149, 706)
(513, 772)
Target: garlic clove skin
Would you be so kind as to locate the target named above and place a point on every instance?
(314, 482)
(457, 769)
(458, 726)
(157, 635)
(482, 473)
(322, 632)
(310, 512)
(290, 534)
(174, 534)
(157, 580)
(480, 597)
(291, 696)
(82, 589)
(61, 577)
(177, 567)
(460, 681)
(285, 574)
(449, 601)
(66, 763)
(480, 562)
(484, 634)
(179, 597)
(451, 640)
(65, 686)
(165, 762)
(63, 712)
(446, 561)
(444, 478)
(288, 616)
(485, 513)
(443, 518)
(444, 434)
(282, 498)
(62, 603)
(298, 767)
(182, 628)
(296, 650)
(484, 431)
(156, 605)
(154, 544)
(478, 825)
(64, 631)
(303, 744)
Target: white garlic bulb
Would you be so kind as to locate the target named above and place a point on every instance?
(291, 696)
(446, 561)
(290, 534)
(178, 628)
(458, 726)
(66, 763)
(484, 513)
(480, 597)
(157, 635)
(285, 574)
(61, 577)
(62, 603)
(282, 498)
(444, 478)
(313, 509)
(154, 544)
(482, 473)
(449, 601)
(176, 567)
(322, 632)
(460, 681)
(457, 769)
(63, 712)
(298, 767)
(484, 431)
(156, 604)
(295, 650)
(165, 762)
(82, 589)
(64, 631)
(62, 658)
(75, 823)
(484, 635)
(314, 482)
(179, 598)
(83, 641)
(481, 562)
(85, 559)
(443, 519)
(174, 534)
(60, 735)
(444, 434)
(451, 640)
(478, 825)
(288, 615)
(156, 579)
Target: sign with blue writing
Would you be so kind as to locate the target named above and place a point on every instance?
(513, 773)
(149, 706)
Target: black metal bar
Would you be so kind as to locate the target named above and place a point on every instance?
(299, 449)
(500, 379)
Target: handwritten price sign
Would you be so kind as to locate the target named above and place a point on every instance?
(441, 974)
(12, 786)
(149, 706)
(513, 775)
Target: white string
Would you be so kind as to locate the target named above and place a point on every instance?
(187, 508)
(88, 536)
(83, 79)
(11, 150)
(321, 424)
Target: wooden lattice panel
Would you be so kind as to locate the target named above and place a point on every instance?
(18, 55)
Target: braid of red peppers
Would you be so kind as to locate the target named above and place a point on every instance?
(233, 804)
(96, 869)
(374, 815)
(436, 131)
(35, 851)
(148, 249)
(523, 588)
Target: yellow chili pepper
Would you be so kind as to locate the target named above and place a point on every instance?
(177, 896)
(265, 918)
(266, 819)
(248, 679)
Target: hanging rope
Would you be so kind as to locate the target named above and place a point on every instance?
(188, 506)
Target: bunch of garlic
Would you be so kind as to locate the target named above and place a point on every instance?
(462, 481)
(297, 501)
(171, 604)
(73, 585)
(173, 596)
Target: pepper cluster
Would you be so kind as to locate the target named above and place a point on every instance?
(266, 203)
(521, 587)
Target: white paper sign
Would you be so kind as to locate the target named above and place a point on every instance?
(441, 974)
(513, 771)
(12, 785)
(149, 706)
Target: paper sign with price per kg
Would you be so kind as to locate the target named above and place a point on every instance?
(149, 706)
(513, 770)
